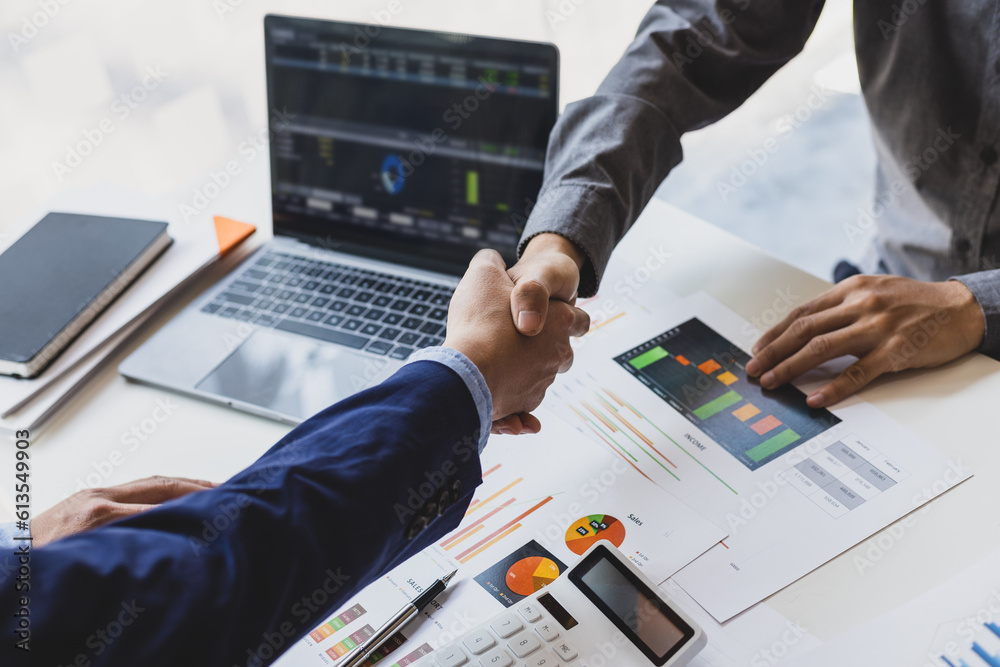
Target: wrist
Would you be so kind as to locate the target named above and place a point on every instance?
(969, 313)
(549, 242)
(478, 355)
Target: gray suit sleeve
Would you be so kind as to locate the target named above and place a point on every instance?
(985, 286)
(692, 62)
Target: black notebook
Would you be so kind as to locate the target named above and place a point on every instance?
(60, 275)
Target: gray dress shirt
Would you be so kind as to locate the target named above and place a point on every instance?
(930, 73)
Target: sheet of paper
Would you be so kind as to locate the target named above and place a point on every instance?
(759, 637)
(544, 500)
(941, 628)
(793, 487)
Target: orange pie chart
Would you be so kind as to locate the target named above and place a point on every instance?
(586, 531)
(531, 574)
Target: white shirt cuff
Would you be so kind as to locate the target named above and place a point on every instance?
(473, 379)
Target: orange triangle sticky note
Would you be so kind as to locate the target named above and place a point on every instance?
(231, 233)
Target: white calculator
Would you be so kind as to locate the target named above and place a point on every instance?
(601, 612)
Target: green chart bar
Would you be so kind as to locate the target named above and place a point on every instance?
(773, 444)
(472, 188)
(648, 357)
(718, 405)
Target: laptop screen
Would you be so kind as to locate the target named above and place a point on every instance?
(408, 146)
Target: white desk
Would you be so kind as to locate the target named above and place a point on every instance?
(953, 408)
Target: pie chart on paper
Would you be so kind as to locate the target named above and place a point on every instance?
(586, 531)
(529, 575)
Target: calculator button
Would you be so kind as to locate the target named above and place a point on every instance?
(565, 651)
(547, 631)
(479, 641)
(530, 612)
(496, 658)
(506, 625)
(524, 644)
(451, 656)
(542, 659)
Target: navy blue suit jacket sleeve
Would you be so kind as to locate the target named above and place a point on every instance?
(221, 576)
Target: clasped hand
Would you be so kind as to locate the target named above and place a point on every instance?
(517, 368)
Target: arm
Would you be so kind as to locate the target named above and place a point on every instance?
(343, 498)
(245, 569)
(692, 62)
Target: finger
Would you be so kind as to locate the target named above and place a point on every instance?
(154, 490)
(581, 322)
(819, 350)
(529, 423)
(529, 305)
(800, 334)
(852, 380)
(112, 511)
(200, 482)
(487, 259)
(509, 425)
(829, 299)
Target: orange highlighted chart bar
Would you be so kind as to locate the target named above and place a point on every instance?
(726, 378)
(746, 412)
(768, 423)
(682, 360)
(709, 367)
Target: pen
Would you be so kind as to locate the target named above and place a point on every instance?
(402, 617)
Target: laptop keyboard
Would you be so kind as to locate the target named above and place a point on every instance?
(365, 310)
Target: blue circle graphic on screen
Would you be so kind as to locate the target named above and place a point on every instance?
(393, 177)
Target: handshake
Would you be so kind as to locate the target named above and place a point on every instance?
(518, 368)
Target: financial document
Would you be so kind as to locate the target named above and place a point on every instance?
(792, 486)
(545, 499)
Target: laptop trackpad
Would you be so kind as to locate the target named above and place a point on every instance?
(291, 375)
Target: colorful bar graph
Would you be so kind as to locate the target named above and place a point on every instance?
(718, 405)
(493, 497)
(991, 660)
(490, 543)
(772, 445)
(456, 537)
(380, 654)
(337, 623)
(498, 531)
(648, 357)
(343, 648)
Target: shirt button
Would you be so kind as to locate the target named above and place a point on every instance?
(988, 155)
(962, 246)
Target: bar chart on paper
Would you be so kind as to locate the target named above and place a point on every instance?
(702, 376)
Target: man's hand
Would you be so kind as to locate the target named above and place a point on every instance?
(517, 369)
(548, 269)
(889, 323)
(96, 507)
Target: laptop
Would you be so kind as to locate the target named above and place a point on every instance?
(396, 155)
